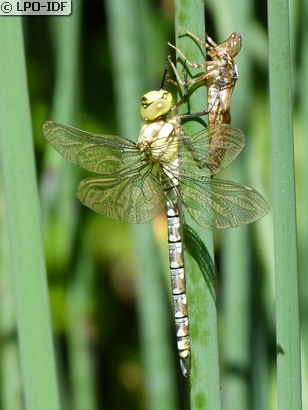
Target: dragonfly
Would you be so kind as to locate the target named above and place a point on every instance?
(221, 75)
(165, 168)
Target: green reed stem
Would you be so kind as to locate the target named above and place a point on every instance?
(303, 197)
(205, 384)
(23, 219)
(287, 312)
(9, 365)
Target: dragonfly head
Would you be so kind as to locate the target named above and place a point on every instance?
(155, 104)
(228, 49)
(235, 44)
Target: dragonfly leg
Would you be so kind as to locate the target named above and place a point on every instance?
(195, 80)
(192, 65)
(184, 84)
(177, 75)
(209, 43)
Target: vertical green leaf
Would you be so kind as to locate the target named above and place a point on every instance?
(205, 384)
(302, 193)
(9, 364)
(23, 219)
(287, 312)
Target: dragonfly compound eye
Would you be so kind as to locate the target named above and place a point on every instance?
(155, 104)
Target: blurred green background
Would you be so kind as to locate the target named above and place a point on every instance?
(106, 305)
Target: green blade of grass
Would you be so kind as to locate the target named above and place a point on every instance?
(302, 200)
(205, 384)
(9, 365)
(287, 313)
(81, 362)
(23, 220)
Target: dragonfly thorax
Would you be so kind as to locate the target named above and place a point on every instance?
(157, 139)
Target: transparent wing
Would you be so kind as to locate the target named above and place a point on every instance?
(104, 154)
(221, 204)
(213, 148)
(136, 199)
(205, 153)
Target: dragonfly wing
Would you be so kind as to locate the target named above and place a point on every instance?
(221, 204)
(209, 151)
(136, 199)
(104, 154)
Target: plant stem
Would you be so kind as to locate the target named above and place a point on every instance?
(205, 384)
(23, 220)
(287, 312)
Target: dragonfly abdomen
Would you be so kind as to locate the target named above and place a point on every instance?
(178, 286)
